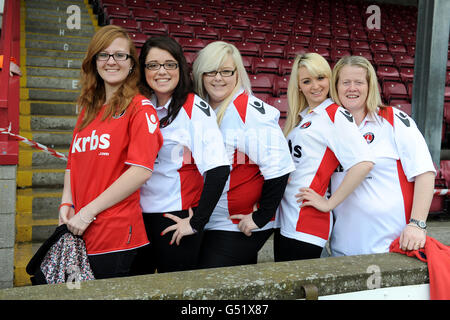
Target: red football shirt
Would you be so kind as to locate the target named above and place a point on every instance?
(99, 154)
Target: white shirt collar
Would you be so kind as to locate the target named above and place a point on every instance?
(317, 109)
(154, 101)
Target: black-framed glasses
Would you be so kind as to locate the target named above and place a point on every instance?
(117, 56)
(153, 66)
(223, 73)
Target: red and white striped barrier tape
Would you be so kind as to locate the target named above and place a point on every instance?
(441, 192)
(33, 144)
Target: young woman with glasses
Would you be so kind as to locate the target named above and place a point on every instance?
(243, 218)
(114, 147)
(191, 169)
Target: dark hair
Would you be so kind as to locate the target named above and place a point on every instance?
(184, 86)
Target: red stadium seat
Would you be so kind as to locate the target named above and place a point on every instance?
(190, 57)
(375, 36)
(132, 4)
(357, 34)
(392, 38)
(302, 40)
(320, 42)
(383, 59)
(138, 38)
(341, 33)
(278, 39)
(231, 35)
(281, 103)
(282, 27)
(292, 51)
(266, 65)
(403, 105)
(191, 45)
(359, 45)
(397, 48)
(262, 83)
(248, 48)
(169, 17)
(239, 24)
(403, 60)
(378, 47)
(409, 39)
(388, 73)
(128, 24)
(407, 74)
(445, 170)
(336, 54)
(217, 22)
(280, 85)
(364, 53)
(153, 28)
(180, 30)
(271, 50)
(262, 26)
(324, 52)
(394, 90)
(302, 30)
(340, 43)
(114, 12)
(248, 63)
(285, 67)
(255, 36)
(145, 14)
(322, 32)
(447, 94)
(194, 20)
(106, 3)
(206, 33)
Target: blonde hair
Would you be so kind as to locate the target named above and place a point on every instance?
(316, 66)
(373, 100)
(211, 58)
(93, 94)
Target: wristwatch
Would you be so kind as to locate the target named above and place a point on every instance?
(421, 224)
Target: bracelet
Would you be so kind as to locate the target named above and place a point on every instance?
(85, 221)
(66, 204)
(416, 226)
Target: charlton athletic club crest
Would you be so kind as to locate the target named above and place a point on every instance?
(305, 125)
(369, 136)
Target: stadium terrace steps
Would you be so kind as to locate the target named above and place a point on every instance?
(51, 56)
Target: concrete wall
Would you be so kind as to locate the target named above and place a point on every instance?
(263, 281)
(7, 224)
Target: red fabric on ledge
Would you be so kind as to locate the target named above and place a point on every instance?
(437, 256)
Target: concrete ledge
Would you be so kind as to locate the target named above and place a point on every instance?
(282, 280)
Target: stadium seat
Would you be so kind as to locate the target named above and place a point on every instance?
(397, 48)
(359, 45)
(145, 14)
(302, 40)
(403, 105)
(320, 42)
(395, 90)
(403, 60)
(282, 27)
(255, 36)
(132, 4)
(285, 67)
(191, 45)
(376, 36)
(281, 103)
(340, 43)
(153, 28)
(116, 12)
(128, 24)
(232, 35)
(336, 54)
(194, 20)
(445, 170)
(106, 3)
(180, 30)
(322, 32)
(138, 38)
(217, 22)
(271, 51)
(324, 52)
(291, 51)
(265, 65)
(378, 47)
(388, 73)
(280, 85)
(206, 33)
(262, 26)
(160, 6)
(262, 83)
(407, 74)
(383, 59)
(248, 48)
(409, 39)
(302, 30)
(239, 24)
(341, 33)
(248, 63)
(447, 94)
(393, 38)
(278, 39)
(169, 17)
(190, 57)
(356, 34)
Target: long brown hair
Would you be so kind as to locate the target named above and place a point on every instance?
(92, 95)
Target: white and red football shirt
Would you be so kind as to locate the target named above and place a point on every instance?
(324, 138)
(192, 145)
(375, 213)
(257, 150)
(99, 154)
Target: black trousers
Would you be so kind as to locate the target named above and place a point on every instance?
(287, 249)
(159, 256)
(112, 265)
(230, 248)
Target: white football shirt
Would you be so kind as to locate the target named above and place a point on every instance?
(324, 138)
(375, 214)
